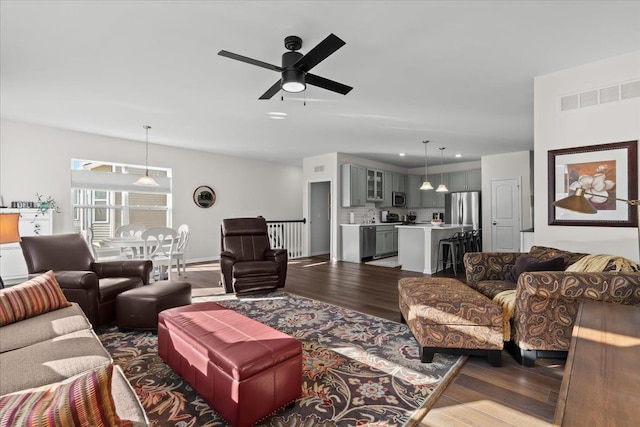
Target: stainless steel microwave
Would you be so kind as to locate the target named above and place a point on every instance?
(398, 199)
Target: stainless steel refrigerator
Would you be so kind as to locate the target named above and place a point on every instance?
(463, 208)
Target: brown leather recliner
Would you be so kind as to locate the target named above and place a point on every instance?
(93, 285)
(247, 262)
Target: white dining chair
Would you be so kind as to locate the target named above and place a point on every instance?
(159, 246)
(181, 248)
(130, 230)
(88, 236)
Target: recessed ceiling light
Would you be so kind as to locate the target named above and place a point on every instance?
(278, 117)
(402, 154)
(277, 113)
(458, 155)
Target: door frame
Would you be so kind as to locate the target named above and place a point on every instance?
(332, 221)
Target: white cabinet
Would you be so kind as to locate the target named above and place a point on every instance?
(375, 179)
(465, 181)
(354, 185)
(33, 222)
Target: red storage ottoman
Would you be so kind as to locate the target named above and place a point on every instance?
(243, 369)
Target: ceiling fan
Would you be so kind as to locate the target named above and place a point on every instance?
(296, 66)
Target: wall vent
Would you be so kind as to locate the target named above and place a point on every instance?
(318, 168)
(603, 95)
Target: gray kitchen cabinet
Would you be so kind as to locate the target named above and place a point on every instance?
(399, 182)
(392, 181)
(465, 181)
(375, 179)
(431, 198)
(395, 239)
(414, 196)
(354, 185)
(385, 239)
(387, 189)
(474, 180)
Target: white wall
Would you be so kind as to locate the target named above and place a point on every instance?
(320, 169)
(598, 124)
(506, 166)
(37, 159)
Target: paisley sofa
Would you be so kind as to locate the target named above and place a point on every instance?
(546, 302)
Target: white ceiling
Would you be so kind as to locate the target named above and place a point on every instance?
(457, 73)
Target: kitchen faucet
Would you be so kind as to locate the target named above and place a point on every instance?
(372, 220)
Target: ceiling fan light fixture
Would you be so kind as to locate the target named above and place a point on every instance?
(293, 81)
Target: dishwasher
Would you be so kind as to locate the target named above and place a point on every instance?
(367, 242)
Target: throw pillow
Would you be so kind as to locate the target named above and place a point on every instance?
(31, 298)
(526, 262)
(83, 400)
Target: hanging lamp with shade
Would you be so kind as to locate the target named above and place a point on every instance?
(442, 188)
(426, 185)
(146, 180)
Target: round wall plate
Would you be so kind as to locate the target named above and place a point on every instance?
(204, 196)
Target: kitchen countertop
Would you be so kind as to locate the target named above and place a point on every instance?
(431, 226)
(369, 225)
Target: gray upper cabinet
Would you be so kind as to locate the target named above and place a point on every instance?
(399, 182)
(431, 198)
(375, 188)
(354, 185)
(474, 180)
(392, 181)
(414, 196)
(465, 181)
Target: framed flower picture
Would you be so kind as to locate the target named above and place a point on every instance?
(608, 173)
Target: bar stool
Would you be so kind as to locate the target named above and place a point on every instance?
(477, 240)
(450, 248)
(465, 245)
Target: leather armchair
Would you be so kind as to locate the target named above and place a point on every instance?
(247, 262)
(93, 285)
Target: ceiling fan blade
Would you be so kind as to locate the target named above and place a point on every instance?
(314, 80)
(272, 90)
(249, 60)
(319, 53)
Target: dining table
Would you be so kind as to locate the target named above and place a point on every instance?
(135, 243)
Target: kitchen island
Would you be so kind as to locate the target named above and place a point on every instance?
(358, 245)
(418, 245)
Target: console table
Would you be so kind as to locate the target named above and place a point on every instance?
(601, 380)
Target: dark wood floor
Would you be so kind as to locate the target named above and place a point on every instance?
(480, 395)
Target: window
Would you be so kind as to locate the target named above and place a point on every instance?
(104, 198)
(100, 198)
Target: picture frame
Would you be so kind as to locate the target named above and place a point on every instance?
(204, 196)
(606, 170)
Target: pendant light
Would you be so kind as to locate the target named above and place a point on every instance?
(146, 179)
(426, 185)
(442, 188)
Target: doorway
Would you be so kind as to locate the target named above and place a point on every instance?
(320, 218)
(505, 215)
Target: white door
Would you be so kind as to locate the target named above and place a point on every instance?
(505, 215)
(319, 218)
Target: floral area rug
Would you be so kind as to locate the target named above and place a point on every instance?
(357, 369)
